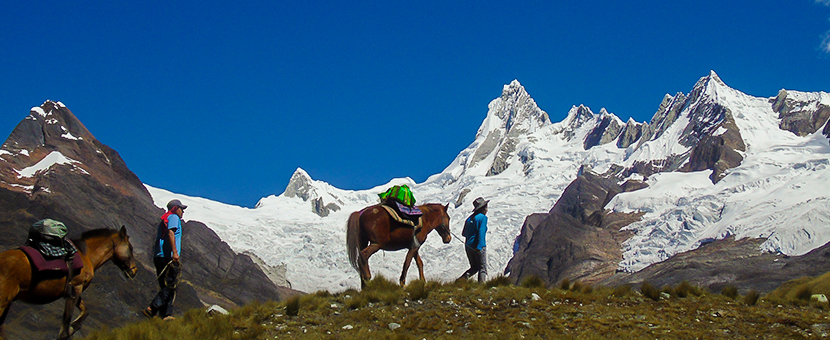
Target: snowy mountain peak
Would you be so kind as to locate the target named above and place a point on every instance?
(300, 185)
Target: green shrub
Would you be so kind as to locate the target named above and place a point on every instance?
(803, 293)
(684, 289)
(498, 281)
(533, 281)
(292, 306)
(565, 284)
(576, 287)
(621, 291)
(417, 290)
(751, 298)
(730, 291)
(649, 291)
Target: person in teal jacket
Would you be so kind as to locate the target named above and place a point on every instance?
(475, 231)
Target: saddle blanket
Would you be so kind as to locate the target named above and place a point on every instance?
(413, 211)
(41, 264)
(395, 216)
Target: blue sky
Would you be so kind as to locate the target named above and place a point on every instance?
(225, 100)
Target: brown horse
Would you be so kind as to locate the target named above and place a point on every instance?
(96, 247)
(372, 229)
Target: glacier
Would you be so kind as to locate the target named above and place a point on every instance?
(522, 162)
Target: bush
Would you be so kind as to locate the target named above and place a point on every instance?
(417, 290)
(292, 306)
(497, 281)
(576, 287)
(731, 292)
(533, 281)
(565, 284)
(684, 289)
(650, 292)
(803, 293)
(621, 291)
(751, 298)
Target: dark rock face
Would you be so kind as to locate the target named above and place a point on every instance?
(631, 133)
(729, 261)
(96, 189)
(799, 117)
(717, 152)
(606, 131)
(577, 239)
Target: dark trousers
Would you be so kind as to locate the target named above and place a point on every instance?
(478, 263)
(168, 277)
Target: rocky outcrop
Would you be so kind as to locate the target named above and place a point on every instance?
(606, 131)
(321, 208)
(53, 167)
(631, 133)
(801, 113)
(729, 261)
(577, 239)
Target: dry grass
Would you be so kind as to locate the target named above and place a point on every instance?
(469, 310)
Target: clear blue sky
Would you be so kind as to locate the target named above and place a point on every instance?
(224, 100)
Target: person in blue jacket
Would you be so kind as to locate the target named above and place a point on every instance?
(167, 248)
(475, 231)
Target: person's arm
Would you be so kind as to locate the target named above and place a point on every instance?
(173, 224)
(482, 231)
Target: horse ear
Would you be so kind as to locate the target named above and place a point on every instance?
(123, 231)
(447, 207)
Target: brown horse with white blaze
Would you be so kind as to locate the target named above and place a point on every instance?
(372, 229)
(19, 282)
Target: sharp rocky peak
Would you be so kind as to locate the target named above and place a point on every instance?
(300, 185)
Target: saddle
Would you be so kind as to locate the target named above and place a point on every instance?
(41, 263)
(412, 216)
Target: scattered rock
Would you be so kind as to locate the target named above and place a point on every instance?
(393, 326)
(214, 309)
(347, 327)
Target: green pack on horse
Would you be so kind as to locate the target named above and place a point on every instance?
(20, 278)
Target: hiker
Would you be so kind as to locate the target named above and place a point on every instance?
(475, 229)
(167, 248)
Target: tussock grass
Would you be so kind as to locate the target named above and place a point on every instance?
(730, 291)
(751, 298)
(471, 310)
(649, 291)
(565, 284)
(498, 281)
(533, 281)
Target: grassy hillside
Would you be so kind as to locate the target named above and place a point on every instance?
(497, 309)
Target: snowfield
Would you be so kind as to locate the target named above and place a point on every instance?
(522, 162)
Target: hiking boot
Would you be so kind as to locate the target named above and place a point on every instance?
(169, 318)
(148, 312)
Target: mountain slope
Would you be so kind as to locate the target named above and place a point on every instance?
(51, 166)
(712, 163)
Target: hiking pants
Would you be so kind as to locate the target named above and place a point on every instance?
(168, 277)
(478, 263)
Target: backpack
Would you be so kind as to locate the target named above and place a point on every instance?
(400, 193)
(49, 237)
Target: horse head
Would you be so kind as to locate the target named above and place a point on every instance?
(123, 253)
(443, 229)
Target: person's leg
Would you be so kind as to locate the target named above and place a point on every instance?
(160, 263)
(482, 269)
(171, 278)
(472, 258)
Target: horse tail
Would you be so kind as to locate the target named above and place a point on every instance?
(353, 239)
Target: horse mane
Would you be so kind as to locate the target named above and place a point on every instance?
(100, 232)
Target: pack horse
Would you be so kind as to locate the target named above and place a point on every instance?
(373, 229)
(19, 281)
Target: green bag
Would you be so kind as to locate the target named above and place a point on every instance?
(48, 229)
(400, 193)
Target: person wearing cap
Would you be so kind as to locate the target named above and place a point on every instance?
(167, 248)
(475, 230)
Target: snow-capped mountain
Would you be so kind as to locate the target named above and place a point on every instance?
(717, 163)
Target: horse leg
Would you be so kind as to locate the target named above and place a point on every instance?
(6, 302)
(76, 324)
(420, 265)
(363, 263)
(406, 263)
(67, 312)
